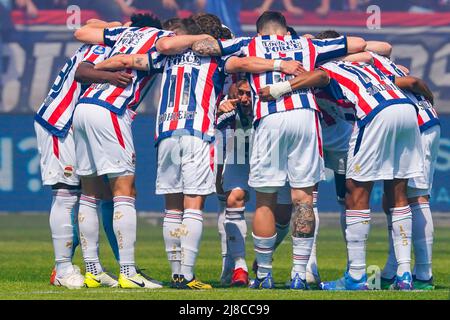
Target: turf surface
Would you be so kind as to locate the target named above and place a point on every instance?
(26, 260)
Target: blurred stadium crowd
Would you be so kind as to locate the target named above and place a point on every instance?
(22, 15)
(118, 9)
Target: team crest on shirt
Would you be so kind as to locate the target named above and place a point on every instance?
(99, 50)
(68, 171)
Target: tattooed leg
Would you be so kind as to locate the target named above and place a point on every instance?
(303, 227)
(303, 221)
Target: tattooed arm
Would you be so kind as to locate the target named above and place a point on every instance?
(207, 47)
(178, 44)
(125, 61)
(259, 65)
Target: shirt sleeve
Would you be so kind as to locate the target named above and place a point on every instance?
(333, 88)
(226, 120)
(96, 54)
(327, 49)
(237, 46)
(156, 59)
(111, 35)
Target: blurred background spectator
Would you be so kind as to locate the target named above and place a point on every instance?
(227, 10)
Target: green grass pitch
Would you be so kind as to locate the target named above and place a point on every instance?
(26, 259)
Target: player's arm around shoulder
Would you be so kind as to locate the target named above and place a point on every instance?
(415, 85)
(87, 74)
(178, 44)
(365, 57)
(125, 61)
(356, 44)
(380, 47)
(207, 47)
(93, 31)
(317, 79)
(259, 65)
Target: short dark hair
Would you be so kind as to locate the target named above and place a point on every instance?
(225, 33)
(191, 26)
(209, 24)
(328, 34)
(270, 17)
(142, 20)
(292, 31)
(171, 24)
(241, 82)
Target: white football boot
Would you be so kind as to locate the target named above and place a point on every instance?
(72, 280)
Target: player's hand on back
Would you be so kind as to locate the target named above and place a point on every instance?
(292, 67)
(120, 79)
(264, 94)
(403, 68)
(228, 105)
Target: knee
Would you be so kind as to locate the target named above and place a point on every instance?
(236, 198)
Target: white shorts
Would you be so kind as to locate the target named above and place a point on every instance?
(287, 145)
(185, 165)
(103, 141)
(421, 186)
(235, 176)
(336, 140)
(236, 168)
(57, 157)
(386, 148)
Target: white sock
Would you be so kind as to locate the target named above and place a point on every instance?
(236, 230)
(422, 236)
(282, 231)
(227, 261)
(190, 241)
(264, 250)
(390, 268)
(356, 234)
(312, 262)
(401, 232)
(171, 232)
(124, 223)
(301, 253)
(107, 209)
(239, 263)
(89, 233)
(62, 228)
